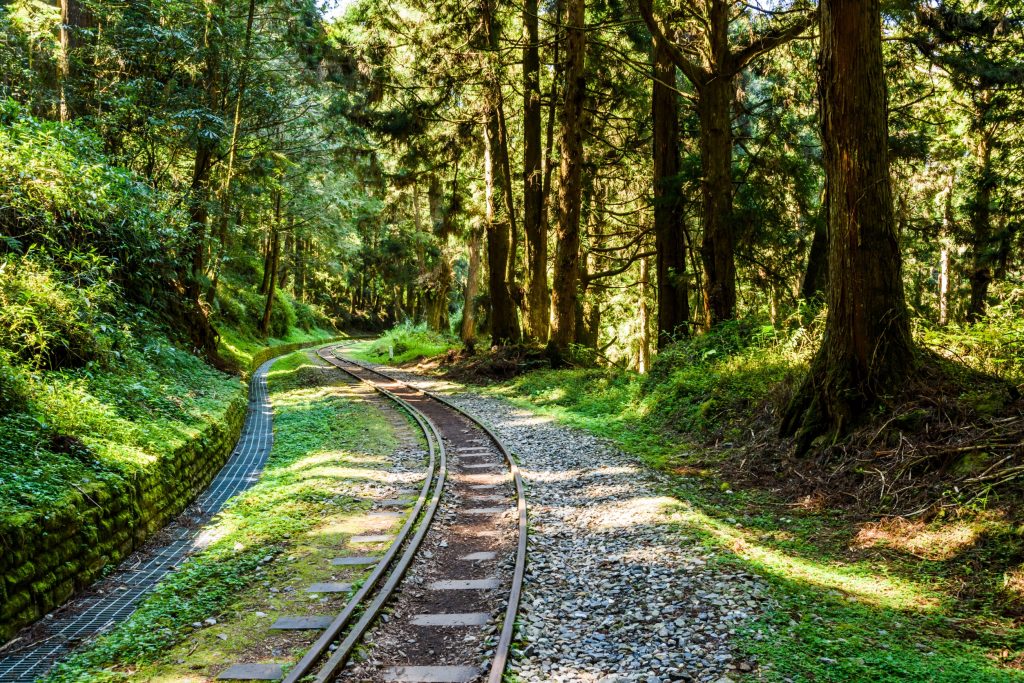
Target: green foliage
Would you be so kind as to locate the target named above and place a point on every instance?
(54, 319)
(406, 343)
(60, 191)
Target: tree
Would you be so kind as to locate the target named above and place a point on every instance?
(567, 251)
(670, 235)
(711, 63)
(866, 352)
(534, 226)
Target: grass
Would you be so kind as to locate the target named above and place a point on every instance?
(857, 598)
(405, 344)
(279, 533)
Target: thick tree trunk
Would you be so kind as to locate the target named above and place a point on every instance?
(982, 248)
(533, 188)
(867, 351)
(669, 208)
(567, 252)
(714, 105)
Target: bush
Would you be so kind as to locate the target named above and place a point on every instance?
(408, 342)
(14, 390)
(52, 319)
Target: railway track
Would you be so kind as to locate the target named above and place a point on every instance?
(451, 619)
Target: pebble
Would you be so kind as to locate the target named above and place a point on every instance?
(614, 592)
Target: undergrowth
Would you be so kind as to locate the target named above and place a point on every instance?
(406, 343)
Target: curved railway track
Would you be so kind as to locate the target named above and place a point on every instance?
(467, 584)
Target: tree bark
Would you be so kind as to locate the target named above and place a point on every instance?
(504, 325)
(669, 207)
(275, 255)
(866, 352)
(981, 227)
(467, 332)
(567, 252)
(74, 16)
(533, 188)
(714, 106)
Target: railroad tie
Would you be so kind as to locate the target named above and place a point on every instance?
(431, 674)
(329, 587)
(315, 623)
(464, 585)
(371, 538)
(481, 556)
(252, 672)
(354, 561)
(452, 619)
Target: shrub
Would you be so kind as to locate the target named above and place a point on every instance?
(53, 319)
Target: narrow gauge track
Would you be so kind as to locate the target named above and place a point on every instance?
(434, 634)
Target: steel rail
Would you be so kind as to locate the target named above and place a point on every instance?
(504, 645)
(437, 457)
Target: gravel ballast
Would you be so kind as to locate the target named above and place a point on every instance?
(614, 590)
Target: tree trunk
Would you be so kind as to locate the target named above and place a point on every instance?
(267, 253)
(533, 188)
(643, 360)
(714, 105)
(275, 257)
(867, 351)
(468, 330)
(981, 227)
(74, 17)
(198, 215)
(504, 325)
(567, 252)
(236, 124)
(669, 208)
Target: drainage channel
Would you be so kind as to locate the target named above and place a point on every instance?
(30, 655)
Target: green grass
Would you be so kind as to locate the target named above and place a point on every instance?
(405, 344)
(320, 437)
(931, 603)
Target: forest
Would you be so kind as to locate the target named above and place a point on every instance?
(771, 249)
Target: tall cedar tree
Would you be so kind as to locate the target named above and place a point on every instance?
(866, 352)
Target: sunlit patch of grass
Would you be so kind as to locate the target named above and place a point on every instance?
(280, 533)
(941, 541)
(855, 581)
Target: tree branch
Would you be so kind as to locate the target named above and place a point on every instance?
(696, 74)
(769, 41)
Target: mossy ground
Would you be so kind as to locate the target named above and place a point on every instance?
(299, 514)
